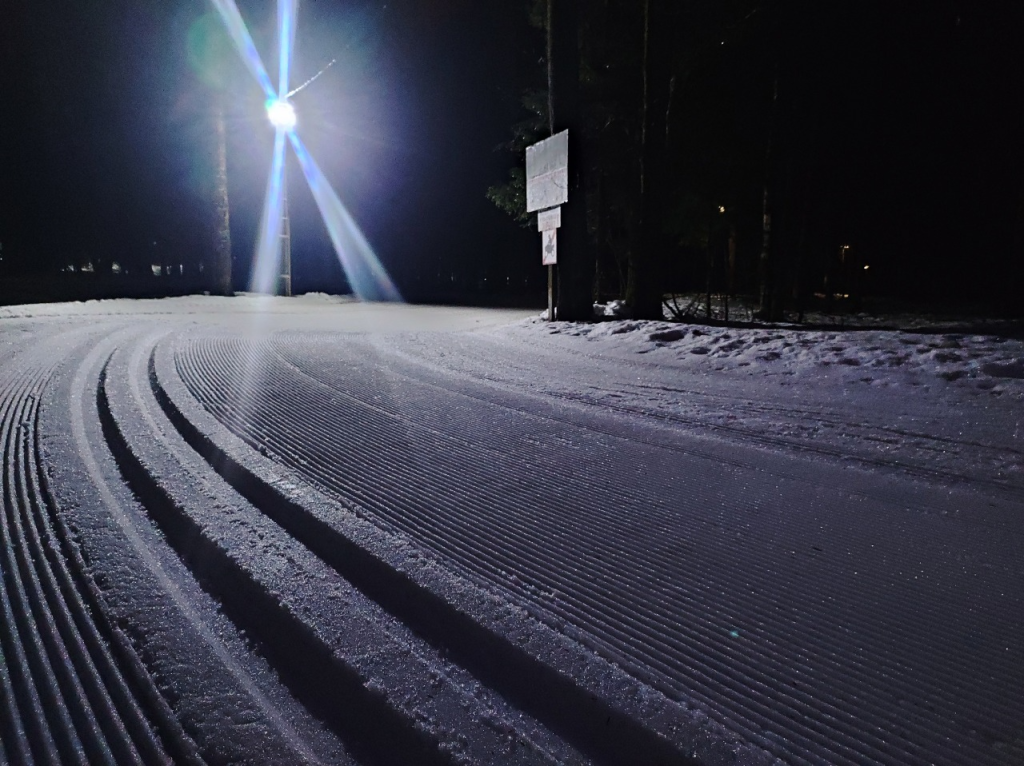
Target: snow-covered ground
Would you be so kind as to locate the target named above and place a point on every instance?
(315, 530)
(943, 402)
(311, 311)
(913, 355)
(941, 397)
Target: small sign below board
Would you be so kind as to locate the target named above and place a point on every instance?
(550, 253)
(547, 173)
(549, 219)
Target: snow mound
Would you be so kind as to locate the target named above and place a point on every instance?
(875, 356)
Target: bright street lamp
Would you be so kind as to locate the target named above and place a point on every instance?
(365, 273)
(281, 114)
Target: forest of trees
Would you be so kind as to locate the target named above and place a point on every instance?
(879, 141)
(790, 152)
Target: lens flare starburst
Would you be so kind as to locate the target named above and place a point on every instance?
(281, 114)
(366, 275)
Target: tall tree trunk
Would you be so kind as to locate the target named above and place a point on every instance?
(576, 261)
(708, 285)
(549, 56)
(575, 257)
(730, 275)
(1013, 305)
(602, 250)
(644, 288)
(218, 272)
(767, 308)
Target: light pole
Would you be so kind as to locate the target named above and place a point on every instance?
(282, 116)
(286, 233)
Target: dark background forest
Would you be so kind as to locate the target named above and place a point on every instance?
(884, 135)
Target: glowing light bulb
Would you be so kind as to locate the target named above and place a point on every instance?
(281, 114)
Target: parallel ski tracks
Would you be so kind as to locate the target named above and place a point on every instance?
(683, 597)
(414, 518)
(586, 722)
(63, 695)
(611, 601)
(794, 416)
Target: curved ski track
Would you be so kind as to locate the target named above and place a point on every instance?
(795, 425)
(71, 690)
(609, 548)
(437, 568)
(388, 670)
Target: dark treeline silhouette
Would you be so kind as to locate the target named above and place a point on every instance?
(877, 134)
(794, 152)
(113, 172)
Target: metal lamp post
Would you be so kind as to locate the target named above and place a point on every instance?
(282, 116)
(286, 234)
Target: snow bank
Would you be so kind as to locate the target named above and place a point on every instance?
(971, 362)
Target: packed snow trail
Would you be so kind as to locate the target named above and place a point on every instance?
(709, 575)
(312, 531)
(248, 629)
(317, 629)
(66, 682)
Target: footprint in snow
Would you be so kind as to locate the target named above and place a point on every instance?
(667, 336)
(1014, 369)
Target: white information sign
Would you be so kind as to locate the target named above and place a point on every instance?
(549, 219)
(547, 173)
(550, 256)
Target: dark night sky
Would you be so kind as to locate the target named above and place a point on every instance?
(105, 155)
(932, 99)
(102, 120)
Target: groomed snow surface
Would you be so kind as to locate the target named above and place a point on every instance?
(310, 530)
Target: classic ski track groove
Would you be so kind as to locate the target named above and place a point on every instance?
(420, 532)
(229, 582)
(64, 697)
(635, 740)
(187, 619)
(207, 370)
(482, 734)
(746, 406)
(375, 432)
(466, 541)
